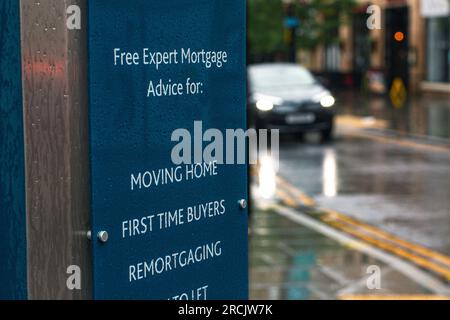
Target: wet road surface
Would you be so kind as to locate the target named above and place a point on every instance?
(424, 115)
(392, 194)
(400, 189)
(291, 262)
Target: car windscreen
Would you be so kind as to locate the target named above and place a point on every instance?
(279, 76)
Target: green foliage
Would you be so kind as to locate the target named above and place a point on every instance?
(265, 23)
(319, 23)
(321, 20)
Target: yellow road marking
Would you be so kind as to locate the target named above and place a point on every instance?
(403, 143)
(349, 226)
(438, 257)
(305, 200)
(288, 200)
(360, 122)
(391, 297)
(388, 247)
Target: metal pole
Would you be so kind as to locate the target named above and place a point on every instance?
(54, 66)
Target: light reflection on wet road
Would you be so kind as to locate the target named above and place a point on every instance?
(402, 190)
(289, 261)
(425, 115)
(398, 188)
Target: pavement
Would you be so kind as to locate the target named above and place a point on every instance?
(292, 261)
(366, 216)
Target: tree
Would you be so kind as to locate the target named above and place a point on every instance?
(321, 20)
(265, 27)
(319, 23)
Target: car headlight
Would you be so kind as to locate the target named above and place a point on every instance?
(327, 101)
(264, 105)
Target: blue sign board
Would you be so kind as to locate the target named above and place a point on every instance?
(175, 230)
(13, 261)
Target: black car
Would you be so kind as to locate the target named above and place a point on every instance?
(288, 97)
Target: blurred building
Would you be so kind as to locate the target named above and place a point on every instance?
(413, 44)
